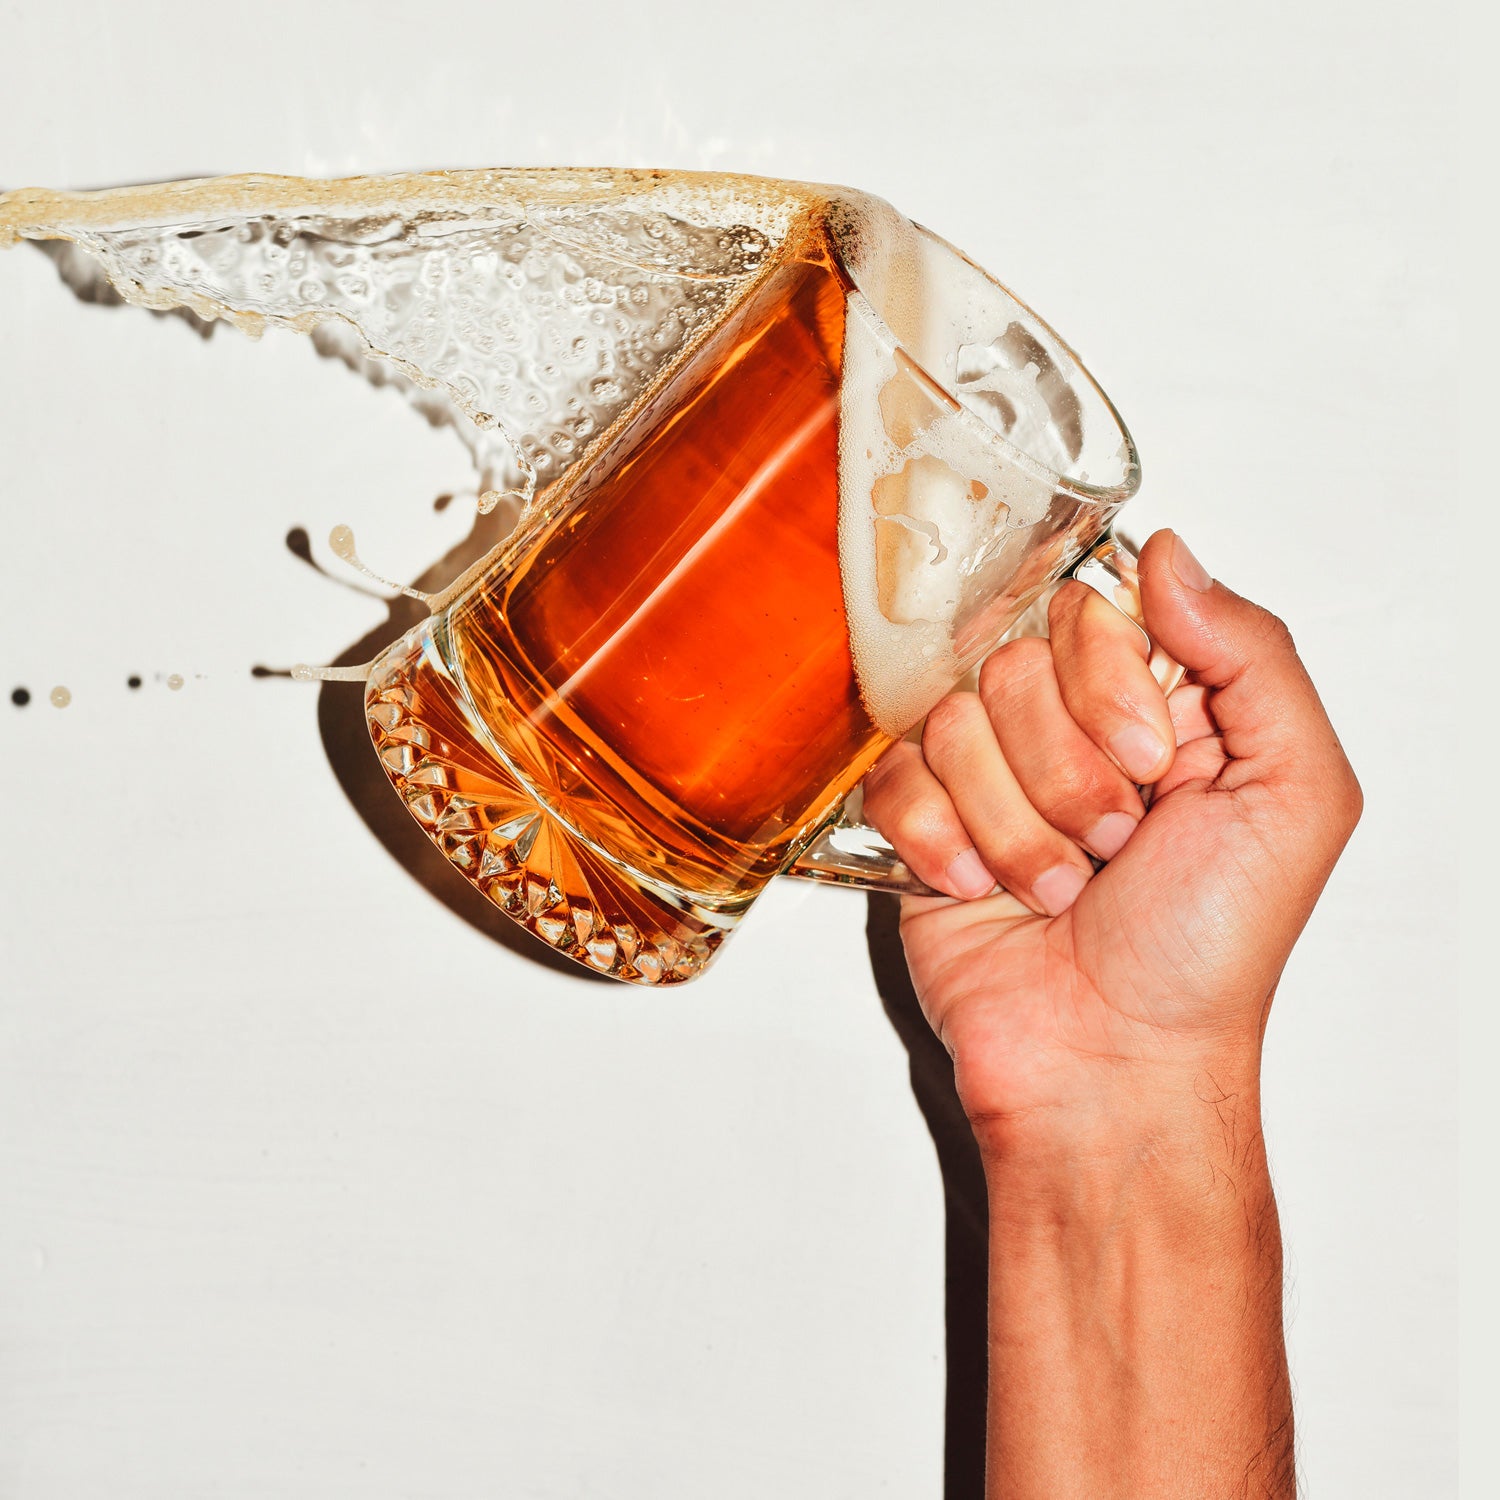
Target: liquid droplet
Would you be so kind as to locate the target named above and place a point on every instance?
(341, 540)
(20, 696)
(175, 682)
(60, 697)
(304, 673)
(133, 681)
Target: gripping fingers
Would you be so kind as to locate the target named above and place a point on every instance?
(909, 806)
(1013, 784)
(1064, 775)
(1104, 679)
(1028, 856)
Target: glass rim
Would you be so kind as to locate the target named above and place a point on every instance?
(1083, 490)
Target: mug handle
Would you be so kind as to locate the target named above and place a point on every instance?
(849, 852)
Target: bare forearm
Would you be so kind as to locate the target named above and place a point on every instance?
(1136, 1344)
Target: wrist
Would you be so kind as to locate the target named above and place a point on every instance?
(1176, 1140)
(1135, 1304)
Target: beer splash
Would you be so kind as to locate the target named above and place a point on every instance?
(539, 303)
(546, 315)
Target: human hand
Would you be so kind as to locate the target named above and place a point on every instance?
(1106, 1028)
(1075, 1001)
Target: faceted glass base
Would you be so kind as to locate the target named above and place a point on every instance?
(495, 832)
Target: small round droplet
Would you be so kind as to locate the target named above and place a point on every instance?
(60, 697)
(175, 682)
(20, 696)
(133, 681)
(341, 539)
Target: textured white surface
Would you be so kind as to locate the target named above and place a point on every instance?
(306, 1187)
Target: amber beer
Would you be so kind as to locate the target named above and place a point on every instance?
(670, 658)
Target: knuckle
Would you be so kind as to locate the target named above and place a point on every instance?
(950, 726)
(914, 825)
(1014, 663)
(1067, 604)
(1073, 787)
(915, 817)
(1351, 799)
(1272, 632)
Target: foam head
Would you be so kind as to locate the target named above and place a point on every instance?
(977, 459)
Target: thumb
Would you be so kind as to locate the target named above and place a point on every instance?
(1269, 716)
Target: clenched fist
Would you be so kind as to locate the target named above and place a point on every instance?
(1105, 1023)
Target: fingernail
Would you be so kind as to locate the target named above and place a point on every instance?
(1138, 751)
(968, 875)
(1187, 567)
(1058, 889)
(1107, 837)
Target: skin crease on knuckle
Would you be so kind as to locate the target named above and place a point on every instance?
(1013, 666)
(1079, 789)
(1077, 795)
(1274, 634)
(921, 829)
(950, 737)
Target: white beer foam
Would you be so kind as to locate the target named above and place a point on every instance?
(959, 415)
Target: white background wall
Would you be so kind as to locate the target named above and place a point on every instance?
(306, 1187)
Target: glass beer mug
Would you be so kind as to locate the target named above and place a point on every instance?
(793, 465)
